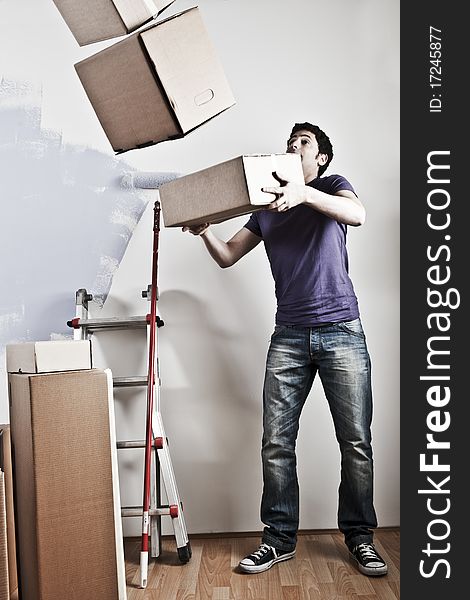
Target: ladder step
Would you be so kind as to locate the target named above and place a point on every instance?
(130, 381)
(91, 325)
(157, 443)
(131, 444)
(136, 511)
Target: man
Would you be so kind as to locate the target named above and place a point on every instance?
(318, 329)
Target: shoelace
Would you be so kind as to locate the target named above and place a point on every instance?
(262, 550)
(367, 551)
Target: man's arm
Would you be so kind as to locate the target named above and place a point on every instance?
(228, 253)
(344, 206)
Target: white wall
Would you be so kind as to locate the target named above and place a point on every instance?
(332, 63)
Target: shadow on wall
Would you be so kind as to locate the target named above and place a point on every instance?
(66, 219)
(208, 404)
(198, 339)
(212, 414)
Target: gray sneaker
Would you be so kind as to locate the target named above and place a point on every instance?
(263, 559)
(369, 561)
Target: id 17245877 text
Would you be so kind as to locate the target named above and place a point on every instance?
(435, 69)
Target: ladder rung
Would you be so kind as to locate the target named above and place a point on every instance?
(136, 511)
(129, 381)
(157, 443)
(113, 323)
(131, 444)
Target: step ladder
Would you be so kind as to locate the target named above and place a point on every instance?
(157, 462)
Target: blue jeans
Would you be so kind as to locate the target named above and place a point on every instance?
(339, 353)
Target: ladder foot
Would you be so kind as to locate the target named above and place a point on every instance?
(144, 561)
(185, 553)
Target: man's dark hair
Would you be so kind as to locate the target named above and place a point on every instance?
(323, 141)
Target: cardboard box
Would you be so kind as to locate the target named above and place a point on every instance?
(47, 356)
(66, 485)
(157, 84)
(96, 20)
(6, 467)
(226, 190)
(4, 585)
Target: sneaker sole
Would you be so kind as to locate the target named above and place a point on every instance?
(266, 566)
(371, 571)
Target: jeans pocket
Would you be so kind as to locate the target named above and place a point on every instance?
(353, 327)
(279, 329)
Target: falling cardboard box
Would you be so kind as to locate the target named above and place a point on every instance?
(5, 466)
(226, 190)
(157, 84)
(66, 486)
(96, 20)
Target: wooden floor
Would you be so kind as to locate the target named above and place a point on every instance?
(321, 570)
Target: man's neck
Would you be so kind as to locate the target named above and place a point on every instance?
(310, 175)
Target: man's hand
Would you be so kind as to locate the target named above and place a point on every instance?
(197, 229)
(288, 194)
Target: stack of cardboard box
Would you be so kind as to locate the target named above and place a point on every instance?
(65, 475)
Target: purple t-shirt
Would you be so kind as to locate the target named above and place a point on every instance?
(309, 261)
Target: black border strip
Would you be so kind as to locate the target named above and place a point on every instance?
(433, 557)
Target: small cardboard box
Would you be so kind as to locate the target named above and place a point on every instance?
(5, 466)
(157, 84)
(66, 486)
(96, 20)
(47, 356)
(226, 190)
(4, 585)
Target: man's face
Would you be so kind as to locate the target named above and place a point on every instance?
(305, 144)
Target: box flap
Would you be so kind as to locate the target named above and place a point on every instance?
(91, 20)
(259, 169)
(136, 12)
(21, 357)
(46, 356)
(95, 20)
(188, 68)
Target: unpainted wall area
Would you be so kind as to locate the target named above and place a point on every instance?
(69, 223)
